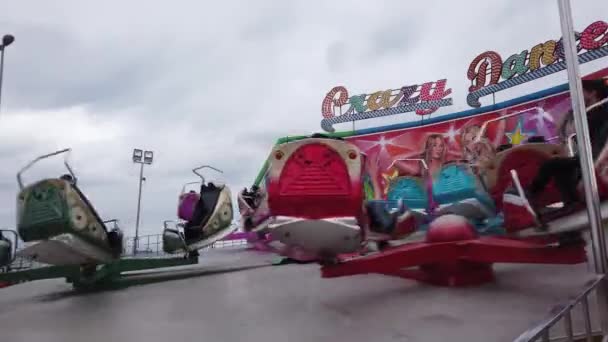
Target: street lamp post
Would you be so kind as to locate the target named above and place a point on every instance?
(6, 41)
(143, 158)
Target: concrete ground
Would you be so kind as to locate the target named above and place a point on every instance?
(287, 303)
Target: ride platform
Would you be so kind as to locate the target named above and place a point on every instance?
(456, 263)
(103, 276)
(290, 303)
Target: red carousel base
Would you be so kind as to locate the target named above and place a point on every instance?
(454, 256)
(457, 274)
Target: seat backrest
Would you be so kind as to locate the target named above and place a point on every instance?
(187, 204)
(315, 178)
(6, 249)
(209, 196)
(411, 190)
(455, 182)
(525, 159)
(55, 206)
(86, 201)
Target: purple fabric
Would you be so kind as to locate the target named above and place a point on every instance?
(187, 203)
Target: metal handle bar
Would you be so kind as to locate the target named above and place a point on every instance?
(410, 159)
(189, 183)
(166, 222)
(571, 139)
(202, 167)
(572, 136)
(115, 221)
(65, 162)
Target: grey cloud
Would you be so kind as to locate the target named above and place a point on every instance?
(393, 37)
(50, 68)
(263, 24)
(219, 82)
(337, 56)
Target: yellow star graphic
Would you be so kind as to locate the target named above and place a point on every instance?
(388, 177)
(517, 136)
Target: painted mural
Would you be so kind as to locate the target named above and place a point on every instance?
(455, 140)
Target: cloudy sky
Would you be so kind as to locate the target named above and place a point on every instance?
(202, 82)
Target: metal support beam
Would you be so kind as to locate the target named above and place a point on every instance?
(586, 159)
(136, 240)
(1, 70)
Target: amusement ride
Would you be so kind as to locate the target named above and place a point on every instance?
(438, 200)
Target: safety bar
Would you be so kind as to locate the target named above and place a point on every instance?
(571, 139)
(482, 131)
(115, 221)
(604, 152)
(422, 161)
(202, 167)
(520, 191)
(65, 162)
(165, 223)
(597, 104)
(15, 242)
(189, 183)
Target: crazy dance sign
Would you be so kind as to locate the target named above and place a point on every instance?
(423, 99)
(488, 74)
(542, 60)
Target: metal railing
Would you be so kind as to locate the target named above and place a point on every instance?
(20, 264)
(152, 245)
(563, 314)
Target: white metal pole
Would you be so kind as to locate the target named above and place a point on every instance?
(141, 178)
(1, 70)
(585, 154)
(7, 40)
(582, 130)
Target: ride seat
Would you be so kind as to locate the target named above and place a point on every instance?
(86, 201)
(411, 190)
(207, 202)
(250, 198)
(459, 191)
(187, 205)
(316, 178)
(244, 202)
(526, 160)
(5, 250)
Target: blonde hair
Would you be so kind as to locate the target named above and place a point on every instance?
(465, 131)
(426, 155)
